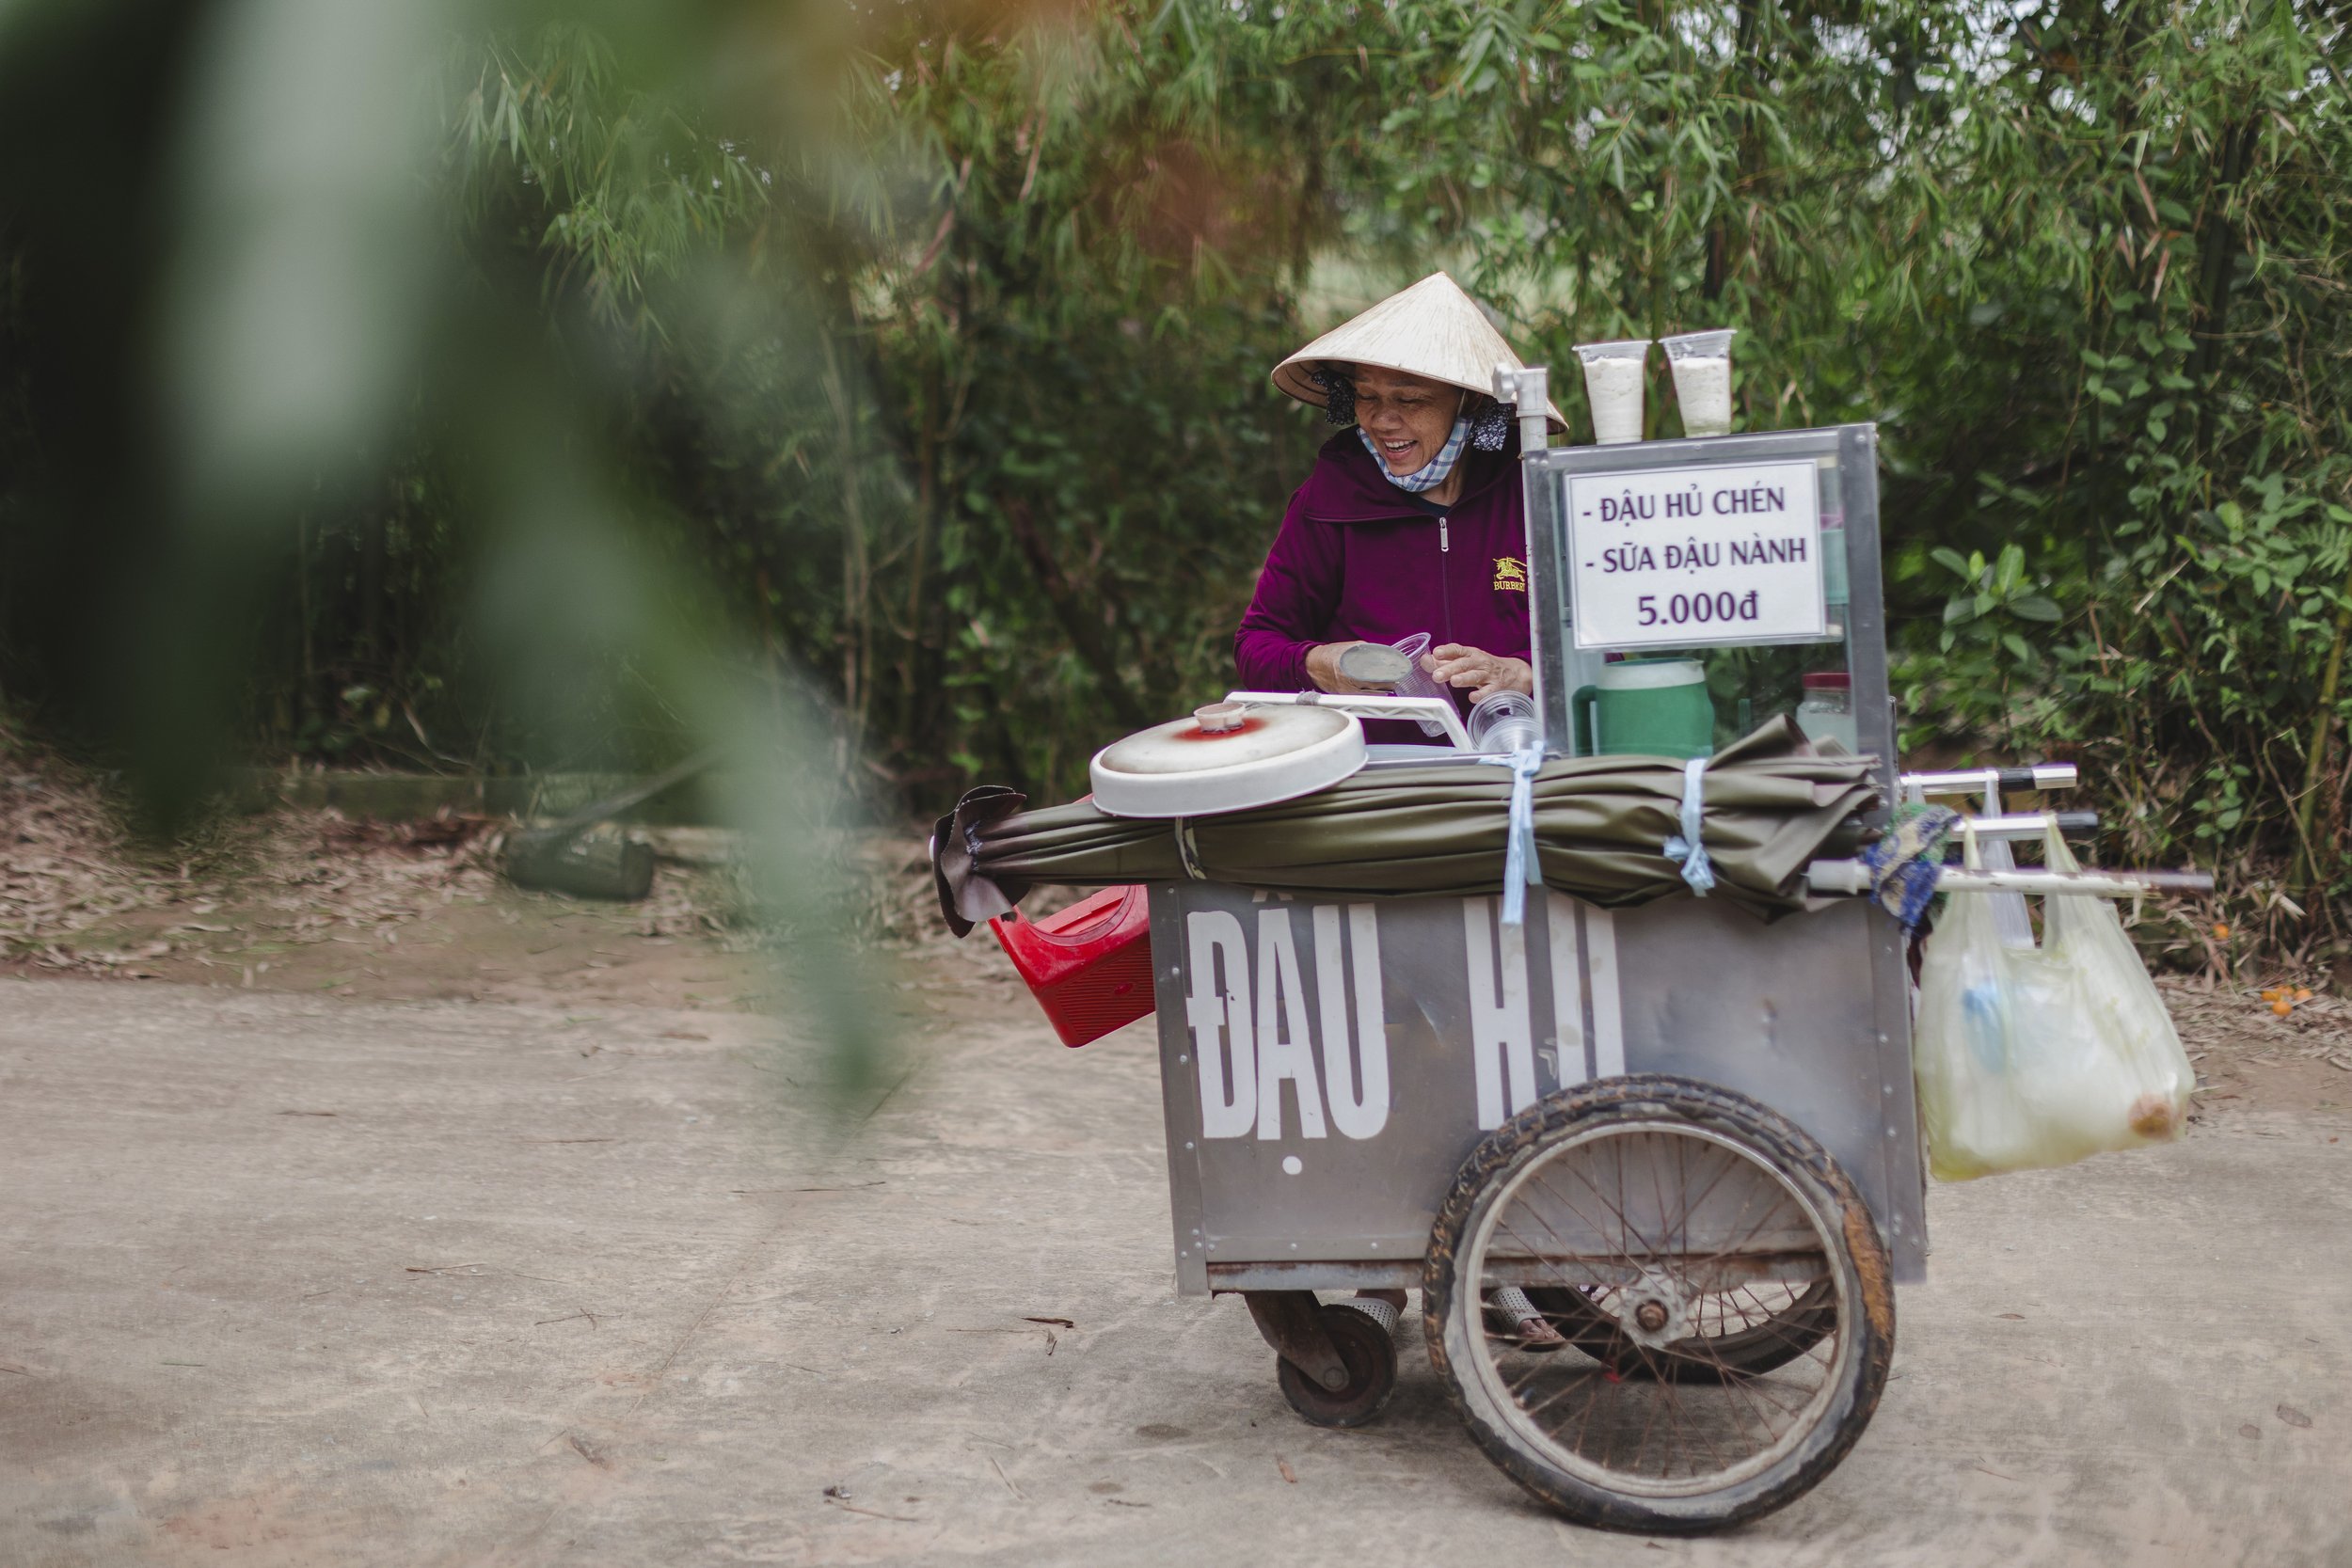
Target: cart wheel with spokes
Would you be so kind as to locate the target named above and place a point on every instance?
(1752, 1327)
(1642, 1208)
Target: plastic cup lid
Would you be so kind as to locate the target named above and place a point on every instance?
(1620, 348)
(1712, 344)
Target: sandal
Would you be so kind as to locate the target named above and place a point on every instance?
(1511, 1316)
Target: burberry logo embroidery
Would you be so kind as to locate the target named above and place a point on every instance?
(1511, 573)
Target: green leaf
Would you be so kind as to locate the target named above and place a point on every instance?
(2011, 570)
(2035, 607)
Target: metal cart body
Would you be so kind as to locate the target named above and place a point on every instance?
(1278, 1014)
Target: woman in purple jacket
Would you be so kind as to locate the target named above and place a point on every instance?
(1410, 520)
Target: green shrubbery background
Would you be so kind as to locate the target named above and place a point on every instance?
(914, 358)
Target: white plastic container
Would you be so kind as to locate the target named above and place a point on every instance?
(1702, 365)
(1612, 380)
(1826, 713)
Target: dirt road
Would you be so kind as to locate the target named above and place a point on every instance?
(299, 1280)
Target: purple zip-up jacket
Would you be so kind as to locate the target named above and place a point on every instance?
(1358, 558)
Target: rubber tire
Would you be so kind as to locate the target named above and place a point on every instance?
(1370, 1357)
(1773, 1343)
(1448, 1312)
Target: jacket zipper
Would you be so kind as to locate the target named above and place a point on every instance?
(1445, 592)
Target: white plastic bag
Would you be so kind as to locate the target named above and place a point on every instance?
(2037, 1057)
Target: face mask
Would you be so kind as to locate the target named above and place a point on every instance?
(1430, 474)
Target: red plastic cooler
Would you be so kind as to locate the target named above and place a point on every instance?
(1089, 965)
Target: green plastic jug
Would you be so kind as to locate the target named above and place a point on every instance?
(1656, 707)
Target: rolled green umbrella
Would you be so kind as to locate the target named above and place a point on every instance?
(1602, 826)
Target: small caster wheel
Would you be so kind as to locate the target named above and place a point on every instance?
(1370, 1357)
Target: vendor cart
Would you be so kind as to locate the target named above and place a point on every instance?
(1681, 1132)
(1688, 1134)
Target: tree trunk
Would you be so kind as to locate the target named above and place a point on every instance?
(1086, 629)
(2307, 870)
(2217, 271)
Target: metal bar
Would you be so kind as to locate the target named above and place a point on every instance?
(2096, 884)
(1530, 392)
(1903, 1166)
(1179, 1097)
(1389, 1275)
(1853, 877)
(1973, 781)
(2033, 824)
(1437, 710)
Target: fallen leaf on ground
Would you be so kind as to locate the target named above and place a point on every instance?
(1284, 1465)
(2293, 1416)
(2249, 1430)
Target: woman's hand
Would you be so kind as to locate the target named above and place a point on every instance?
(1322, 668)
(1485, 674)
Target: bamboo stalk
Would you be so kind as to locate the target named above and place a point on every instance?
(2218, 272)
(1086, 631)
(2306, 869)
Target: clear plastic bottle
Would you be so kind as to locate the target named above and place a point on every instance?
(1826, 713)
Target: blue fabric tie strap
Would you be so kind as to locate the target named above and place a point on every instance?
(1686, 846)
(1523, 868)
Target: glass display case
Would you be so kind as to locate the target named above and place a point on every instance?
(1689, 590)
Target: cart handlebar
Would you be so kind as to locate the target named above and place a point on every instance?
(1371, 704)
(1855, 876)
(1973, 781)
(2033, 824)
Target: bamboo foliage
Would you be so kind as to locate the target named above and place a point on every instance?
(955, 388)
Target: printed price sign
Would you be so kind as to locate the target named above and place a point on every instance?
(1697, 558)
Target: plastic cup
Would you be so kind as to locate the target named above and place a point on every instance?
(1505, 723)
(1702, 365)
(1418, 681)
(1612, 380)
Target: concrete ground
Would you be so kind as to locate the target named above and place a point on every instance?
(300, 1279)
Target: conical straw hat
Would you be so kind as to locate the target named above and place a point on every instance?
(1432, 329)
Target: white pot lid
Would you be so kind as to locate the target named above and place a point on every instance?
(1228, 756)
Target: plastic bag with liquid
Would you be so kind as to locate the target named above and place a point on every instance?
(2039, 1055)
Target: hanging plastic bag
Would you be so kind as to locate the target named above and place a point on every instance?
(2039, 1055)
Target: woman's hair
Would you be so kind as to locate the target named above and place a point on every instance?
(1338, 381)
(1491, 422)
